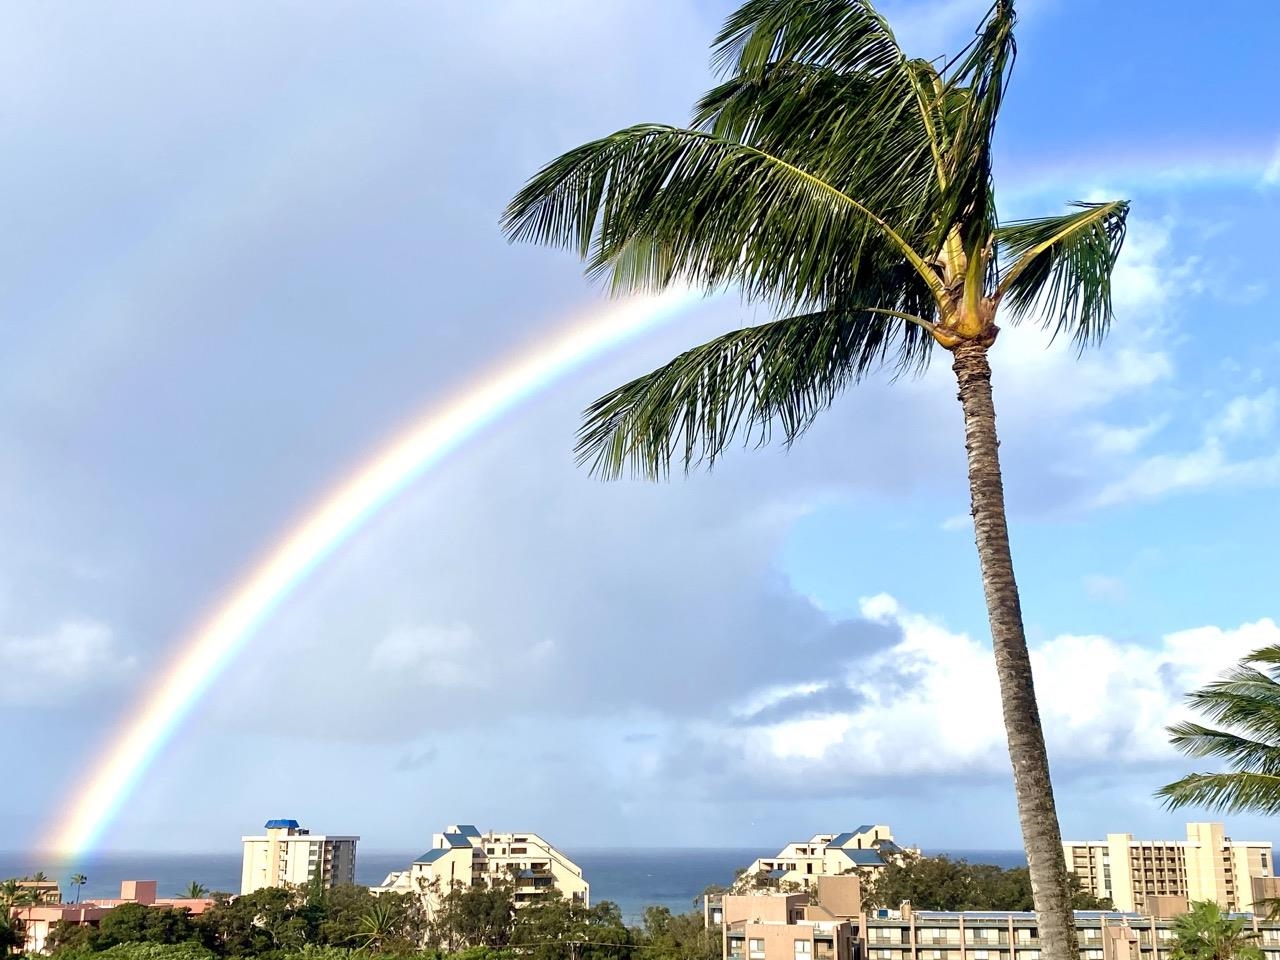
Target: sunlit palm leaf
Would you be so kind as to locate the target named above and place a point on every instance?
(654, 204)
(1062, 266)
(847, 36)
(1225, 792)
(746, 383)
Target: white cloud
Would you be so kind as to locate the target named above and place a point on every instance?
(1246, 415)
(1271, 175)
(1097, 696)
(53, 667)
(437, 656)
(1209, 465)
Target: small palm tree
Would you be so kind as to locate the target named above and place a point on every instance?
(78, 880)
(849, 188)
(1205, 934)
(1245, 706)
(195, 891)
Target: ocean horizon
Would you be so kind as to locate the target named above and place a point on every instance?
(631, 877)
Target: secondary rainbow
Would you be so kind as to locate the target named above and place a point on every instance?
(213, 645)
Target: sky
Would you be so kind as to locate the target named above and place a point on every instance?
(244, 243)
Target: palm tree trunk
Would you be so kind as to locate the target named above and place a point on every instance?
(1034, 792)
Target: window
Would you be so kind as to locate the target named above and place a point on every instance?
(756, 949)
(803, 949)
(980, 955)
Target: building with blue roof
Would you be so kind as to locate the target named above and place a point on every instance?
(461, 854)
(288, 854)
(798, 864)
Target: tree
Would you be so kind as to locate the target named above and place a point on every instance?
(1245, 705)
(941, 883)
(195, 891)
(78, 880)
(668, 936)
(849, 188)
(1204, 933)
(477, 916)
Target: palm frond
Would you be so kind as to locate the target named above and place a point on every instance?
(1062, 265)
(848, 36)
(654, 204)
(1225, 792)
(1241, 752)
(858, 132)
(778, 375)
(981, 76)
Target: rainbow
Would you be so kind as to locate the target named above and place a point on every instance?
(207, 651)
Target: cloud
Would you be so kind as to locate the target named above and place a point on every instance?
(55, 667)
(1210, 465)
(929, 707)
(1271, 175)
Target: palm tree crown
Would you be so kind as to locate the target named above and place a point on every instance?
(838, 180)
(1245, 703)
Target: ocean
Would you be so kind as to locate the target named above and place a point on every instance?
(633, 878)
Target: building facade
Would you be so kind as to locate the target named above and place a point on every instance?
(462, 856)
(39, 919)
(289, 854)
(1208, 865)
(870, 846)
(820, 924)
(800, 926)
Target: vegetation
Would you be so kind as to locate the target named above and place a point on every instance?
(941, 883)
(1244, 705)
(849, 188)
(195, 891)
(1204, 933)
(78, 880)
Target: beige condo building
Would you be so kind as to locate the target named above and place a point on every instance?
(462, 856)
(1208, 865)
(800, 863)
(289, 854)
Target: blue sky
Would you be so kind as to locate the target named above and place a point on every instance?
(245, 243)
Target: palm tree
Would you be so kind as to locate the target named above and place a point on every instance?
(78, 880)
(195, 891)
(1245, 702)
(1205, 934)
(849, 188)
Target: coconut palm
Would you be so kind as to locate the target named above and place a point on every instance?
(195, 891)
(78, 880)
(1204, 933)
(848, 188)
(1245, 704)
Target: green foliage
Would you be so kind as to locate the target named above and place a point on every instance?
(137, 923)
(1244, 705)
(557, 929)
(476, 916)
(941, 883)
(667, 936)
(1204, 933)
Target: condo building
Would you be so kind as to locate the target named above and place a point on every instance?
(462, 856)
(1134, 874)
(827, 923)
(870, 846)
(289, 854)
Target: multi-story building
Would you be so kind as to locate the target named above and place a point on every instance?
(821, 924)
(462, 857)
(1206, 866)
(779, 926)
(825, 854)
(288, 854)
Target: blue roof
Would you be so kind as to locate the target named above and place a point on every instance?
(457, 840)
(281, 824)
(841, 840)
(865, 828)
(467, 830)
(865, 858)
(431, 856)
(776, 874)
